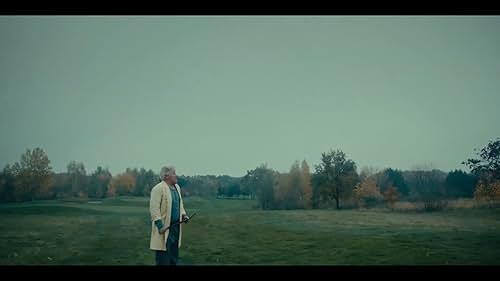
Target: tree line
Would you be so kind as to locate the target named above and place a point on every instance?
(335, 182)
(33, 178)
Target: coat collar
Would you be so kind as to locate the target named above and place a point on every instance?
(165, 185)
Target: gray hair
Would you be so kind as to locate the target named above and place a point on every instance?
(166, 171)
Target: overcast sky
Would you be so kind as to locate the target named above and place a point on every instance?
(221, 95)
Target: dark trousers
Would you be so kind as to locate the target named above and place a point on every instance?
(170, 256)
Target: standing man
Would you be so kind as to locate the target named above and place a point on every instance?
(167, 213)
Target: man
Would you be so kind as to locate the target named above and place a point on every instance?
(167, 214)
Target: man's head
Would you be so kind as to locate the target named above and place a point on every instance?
(168, 175)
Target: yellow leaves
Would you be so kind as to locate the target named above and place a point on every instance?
(487, 192)
(367, 187)
(294, 189)
(121, 184)
(367, 192)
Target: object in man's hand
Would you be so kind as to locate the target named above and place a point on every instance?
(185, 218)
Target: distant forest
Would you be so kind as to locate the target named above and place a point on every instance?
(335, 182)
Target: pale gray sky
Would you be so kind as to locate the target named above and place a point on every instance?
(221, 95)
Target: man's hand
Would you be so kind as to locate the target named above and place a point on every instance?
(161, 227)
(185, 218)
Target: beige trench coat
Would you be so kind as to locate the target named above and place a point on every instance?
(160, 205)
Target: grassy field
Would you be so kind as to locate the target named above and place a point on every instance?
(230, 232)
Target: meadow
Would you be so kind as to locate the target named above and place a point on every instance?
(116, 231)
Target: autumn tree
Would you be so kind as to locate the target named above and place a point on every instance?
(293, 196)
(262, 182)
(121, 184)
(306, 186)
(488, 165)
(393, 178)
(78, 178)
(391, 196)
(367, 193)
(487, 169)
(487, 191)
(335, 176)
(98, 183)
(33, 176)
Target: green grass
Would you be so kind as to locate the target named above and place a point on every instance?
(117, 232)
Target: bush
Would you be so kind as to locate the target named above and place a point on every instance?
(391, 196)
(368, 193)
(407, 206)
(462, 203)
(488, 192)
(432, 206)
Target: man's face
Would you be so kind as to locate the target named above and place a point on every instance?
(172, 178)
